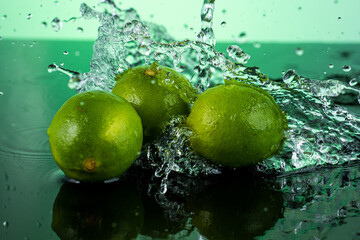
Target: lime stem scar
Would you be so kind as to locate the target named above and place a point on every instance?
(150, 72)
(89, 165)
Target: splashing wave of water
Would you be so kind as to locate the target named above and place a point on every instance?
(320, 132)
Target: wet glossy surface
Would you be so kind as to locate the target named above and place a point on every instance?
(321, 202)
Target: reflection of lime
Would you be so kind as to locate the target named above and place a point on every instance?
(157, 93)
(236, 124)
(97, 211)
(233, 210)
(157, 224)
(95, 136)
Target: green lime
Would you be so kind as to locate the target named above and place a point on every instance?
(97, 211)
(236, 125)
(157, 93)
(95, 136)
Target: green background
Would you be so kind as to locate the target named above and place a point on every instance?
(261, 20)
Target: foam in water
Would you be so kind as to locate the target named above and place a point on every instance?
(320, 131)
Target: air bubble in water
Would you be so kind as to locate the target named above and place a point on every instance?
(299, 51)
(80, 29)
(346, 68)
(353, 82)
(4, 16)
(339, 18)
(29, 16)
(65, 52)
(242, 37)
(44, 24)
(331, 65)
(56, 24)
(223, 24)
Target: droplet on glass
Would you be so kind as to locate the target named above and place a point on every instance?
(346, 68)
(56, 24)
(44, 24)
(65, 52)
(223, 24)
(331, 65)
(80, 29)
(299, 51)
(29, 16)
(353, 82)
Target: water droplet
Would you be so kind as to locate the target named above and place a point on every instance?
(56, 24)
(346, 68)
(223, 24)
(191, 29)
(257, 45)
(65, 52)
(290, 76)
(242, 37)
(339, 18)
(80, 29)
(353, 82)
(52, 68)
(331, 65)
(44, 24)
(4, 16)
(29, 16)
(5, 224)
(299, 51)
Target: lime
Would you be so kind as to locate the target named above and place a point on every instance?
(97, 211)
(157, 93)
(95, 136)
(236, 125)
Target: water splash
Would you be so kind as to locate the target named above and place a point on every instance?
(320, 132)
